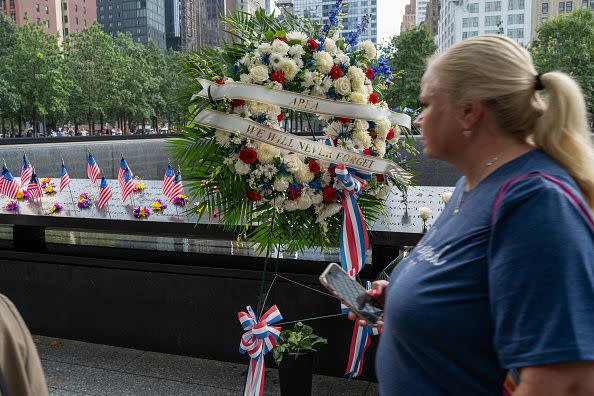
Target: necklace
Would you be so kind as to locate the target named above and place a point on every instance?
(492, 161)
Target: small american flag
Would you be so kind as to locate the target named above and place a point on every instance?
(34, 188)
(176, 188)
(104, 193)
(8, 186)
(26, 170)
(93, 169)
(168, 179)
(128, 185)
(121, 171)
(64, 179)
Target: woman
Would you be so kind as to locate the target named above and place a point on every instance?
(506, 284)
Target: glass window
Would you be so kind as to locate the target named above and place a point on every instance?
(492, 20)
(584, 4)
(568, 6)
(47, 10)
(515, 19)
(76, 20)
(473, 8)
(515, 5)
(545, 8)
(470, 22)
(515, 33)
(75, 7)
(466, 35)
(65, 18)
(492, 6)
(37, 7)
(561, 7)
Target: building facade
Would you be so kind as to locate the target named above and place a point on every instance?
(409, 17)
(143, 19)
(319, 10)
(56, 16)
(432, 19)
(543, 10)
(421, 11)
(461, 19)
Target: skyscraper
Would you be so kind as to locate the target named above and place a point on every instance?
(408, 19)
(318, 10)
(173, 24)
(143, 19)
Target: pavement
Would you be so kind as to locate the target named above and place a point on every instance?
(74, 368)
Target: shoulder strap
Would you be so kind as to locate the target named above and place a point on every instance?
(574, 198)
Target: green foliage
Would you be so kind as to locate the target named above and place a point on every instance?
(566, 43)
(408, 54)
(296, 342)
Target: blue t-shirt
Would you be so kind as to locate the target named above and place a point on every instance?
(470, 302)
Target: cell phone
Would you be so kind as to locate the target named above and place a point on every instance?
(353, 295)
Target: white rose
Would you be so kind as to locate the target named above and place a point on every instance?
(445, 196)
(382, 127)
(257, 108)
(363, 137)
(289, 69)
(293, 162)
(242, 168)
(267, 153)
(323, 61)
(303, 175)
(360, 126)
(424, 212)
(259, 73)
(281, 184)
(342, 86)
(245, 78)
(369, 49)
(280, 47)
(358, 97)
(356, 75)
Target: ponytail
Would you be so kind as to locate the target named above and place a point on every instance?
(562, 131)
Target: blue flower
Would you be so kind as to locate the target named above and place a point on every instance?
(261, 118)
(265, 59)
(237, 149)
(309, 64)
(372, 125)
(343, 135)
(235, 69)
(267, 185)
(315, 185)
(282, 168)
(332, 94)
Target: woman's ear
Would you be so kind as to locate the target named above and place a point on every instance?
(472, 113)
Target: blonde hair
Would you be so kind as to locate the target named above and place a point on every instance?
(499, 72)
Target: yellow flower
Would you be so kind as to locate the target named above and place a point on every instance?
(20, 195)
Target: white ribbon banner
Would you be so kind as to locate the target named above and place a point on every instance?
(299, 102)
(296, 144)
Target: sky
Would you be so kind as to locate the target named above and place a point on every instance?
(389, 17)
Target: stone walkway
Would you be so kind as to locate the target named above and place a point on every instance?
(75, 368)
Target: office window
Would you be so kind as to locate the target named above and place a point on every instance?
(37, 7)
(515, 19)
(65, 18)
(65, 6)
(492, 6)
(470, 22)
(568, 6)
(515, 5)
(65, 31)
(46, 9)
(515, 33)
(584, 4)
(545, 8)
(492, 20)
(466, 35)
(561, 7)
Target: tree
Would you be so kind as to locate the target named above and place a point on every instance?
(407, 55)
(92, 62)
(566, 43)
(9, 97)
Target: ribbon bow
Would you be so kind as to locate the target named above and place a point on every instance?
(360, 341)
(259, 339)
(353, 235)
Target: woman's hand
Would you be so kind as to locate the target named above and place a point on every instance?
(378, 291)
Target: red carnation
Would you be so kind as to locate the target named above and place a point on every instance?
(253, 196)
(279, 117)
(311, 45)
(380, 178)
(248, 155)
(220, 82)
(335, 72)
(284, 40)
(367, 152)
(294, 193)
(370, 73)
(332, 171)
(314, 167)
(373, 98)
(390, 135)
(237, 103)
(278, 76)
(343, 120)
(328, 194)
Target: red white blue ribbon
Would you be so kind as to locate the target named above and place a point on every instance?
(259, 339)
(360, 341)
(353, 235)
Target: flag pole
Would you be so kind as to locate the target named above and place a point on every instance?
(70, 190)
